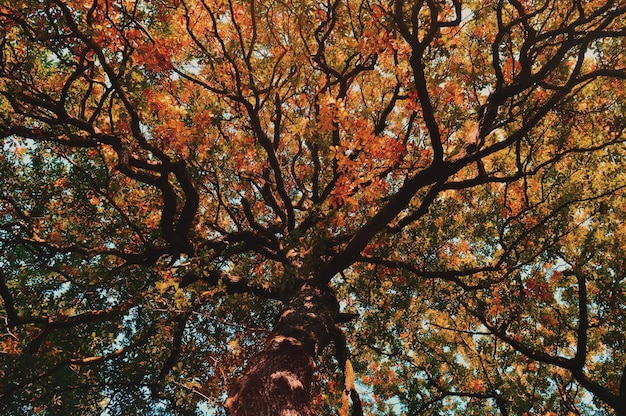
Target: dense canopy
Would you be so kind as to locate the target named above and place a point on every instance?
(312, 207)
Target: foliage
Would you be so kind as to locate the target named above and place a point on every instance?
(172, 171)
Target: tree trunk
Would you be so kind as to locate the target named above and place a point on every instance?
(278, 381)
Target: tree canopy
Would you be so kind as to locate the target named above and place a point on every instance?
(376, 206)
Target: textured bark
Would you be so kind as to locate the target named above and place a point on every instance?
(278, 381)
(620, 406)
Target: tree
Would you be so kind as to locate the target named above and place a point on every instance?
(302, 207)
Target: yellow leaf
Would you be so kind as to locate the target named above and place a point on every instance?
(349, 376)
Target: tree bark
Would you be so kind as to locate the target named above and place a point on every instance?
(620, 407)
(278, 381)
